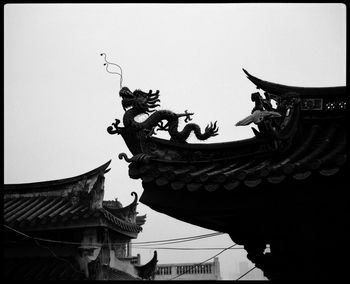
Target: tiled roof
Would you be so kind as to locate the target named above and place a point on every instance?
(41, 268)
(320, 151)
(280, 89)
(73, 201)
(309, 138)
(147, 270)
(33, 212)
(55, 185)
(126, 212)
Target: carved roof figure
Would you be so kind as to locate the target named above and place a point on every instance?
(255, 189)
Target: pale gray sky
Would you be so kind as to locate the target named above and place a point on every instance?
(59, 99)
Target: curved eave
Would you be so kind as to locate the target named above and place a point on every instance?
(124, 210)
(209, 146)
(125, 226)
(140, 220)
(279, 89)
(196, 153)
(54, 183)
(321, 149)
(145, 271)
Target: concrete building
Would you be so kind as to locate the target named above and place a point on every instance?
(189, 271)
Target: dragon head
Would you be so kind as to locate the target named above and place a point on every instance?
(143, 102)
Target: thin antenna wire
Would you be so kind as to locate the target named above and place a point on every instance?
(110, 63)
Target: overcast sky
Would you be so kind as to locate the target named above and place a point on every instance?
(59, 99)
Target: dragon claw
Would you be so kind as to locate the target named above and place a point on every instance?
(114, 128)
(116, 123)
(162, 127)
(188, 116)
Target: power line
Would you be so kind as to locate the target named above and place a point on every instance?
(45, 247)
(192, 237)
(59, 258)
(172, 248)
(158, 248)
(140, 247)
(245, 273)
(167, 241)
(204, 261)
(176, 242)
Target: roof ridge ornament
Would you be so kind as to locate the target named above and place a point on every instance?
(278, 122)
(138, 102)
(136, 158)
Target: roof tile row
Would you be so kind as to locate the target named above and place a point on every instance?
(33, 211)
(322, 151)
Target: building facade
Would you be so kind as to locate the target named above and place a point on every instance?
(189, 271)
(64, 230)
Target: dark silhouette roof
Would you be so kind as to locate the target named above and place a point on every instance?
(54, 184)
(305, 141)
(280, 90)
(147, 270)
(308, 138)
(316, 149)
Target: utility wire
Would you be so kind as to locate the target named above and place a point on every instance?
(166, 240)
(171, 248)
(62, 259)
(180, 240)
(157, 248)
(57, 257)
(245, 273)
(203, 261)
(184, 239)
(45, 247)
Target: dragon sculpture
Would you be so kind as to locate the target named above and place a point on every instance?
(138, 102)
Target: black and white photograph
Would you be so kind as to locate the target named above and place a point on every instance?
(173, 141)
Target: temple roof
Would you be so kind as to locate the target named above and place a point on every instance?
(320, 150)
(55, 185)
(301, 139)
(127, 213)
(147, 270)
(68, 203)
(279, 89)
(308, 137)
